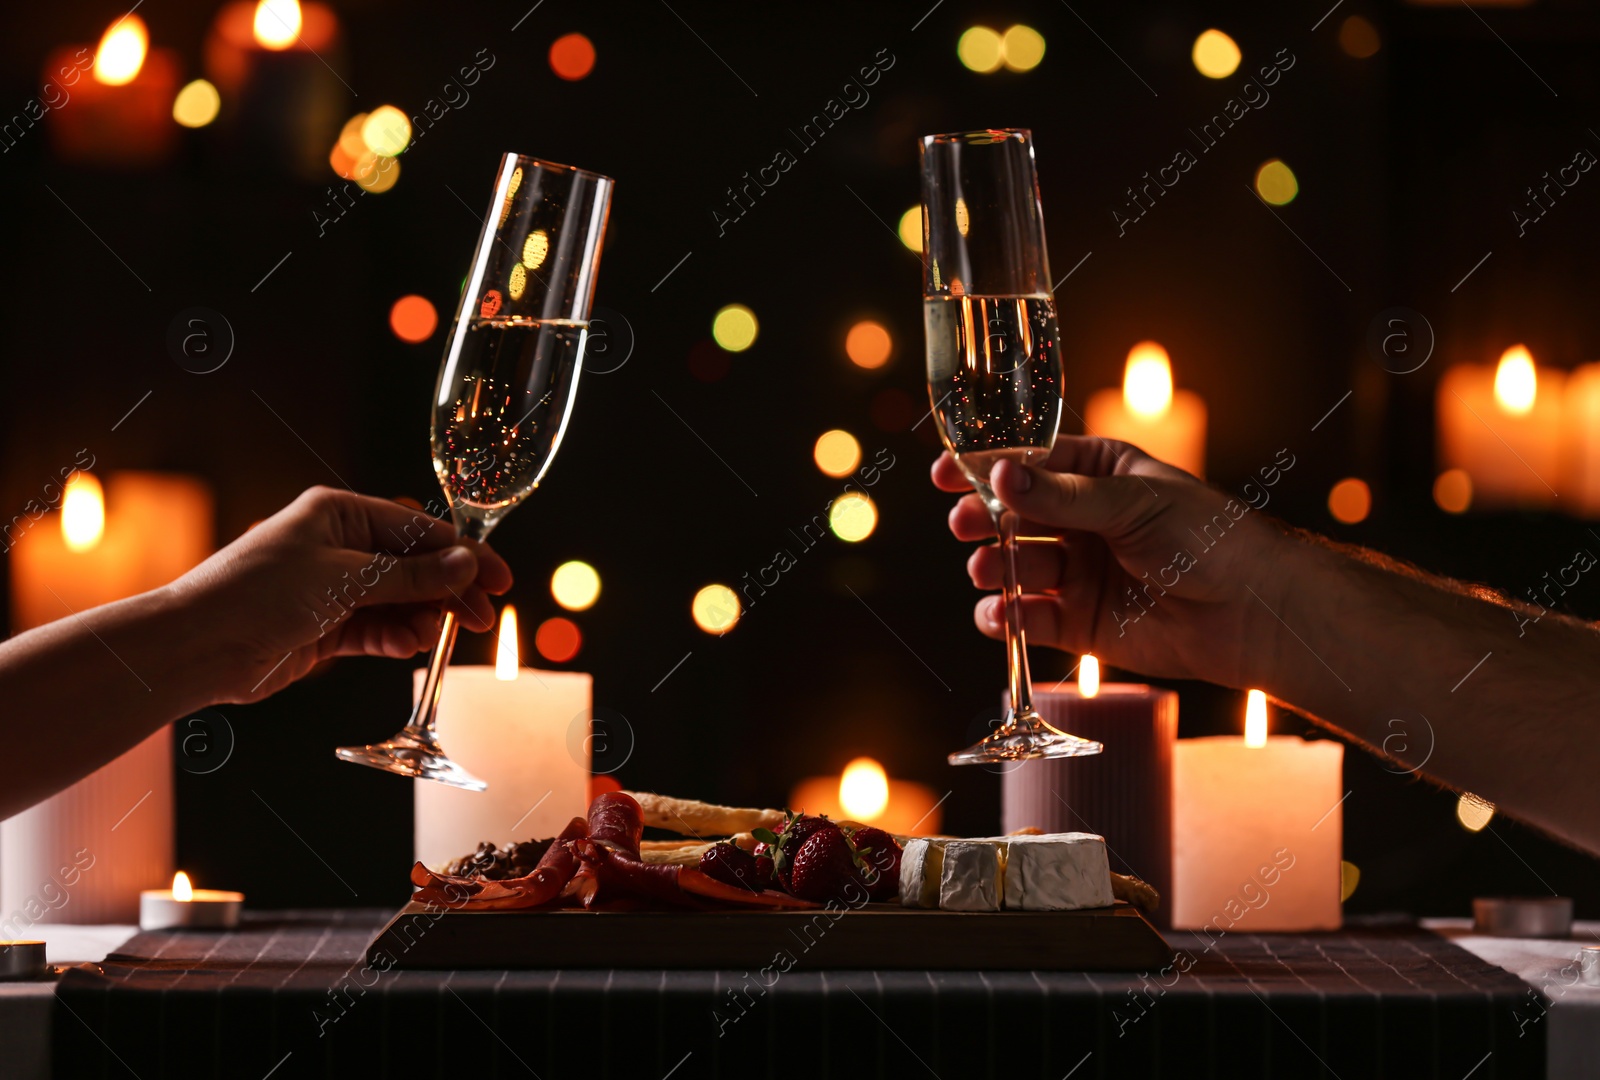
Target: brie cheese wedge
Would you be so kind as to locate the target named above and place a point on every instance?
(1057, 872)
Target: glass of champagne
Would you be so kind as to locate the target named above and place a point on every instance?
(994, 364)
(505, 389)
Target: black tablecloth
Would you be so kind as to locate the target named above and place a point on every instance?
(290, 994)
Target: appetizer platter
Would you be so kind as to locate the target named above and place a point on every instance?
(749, 887)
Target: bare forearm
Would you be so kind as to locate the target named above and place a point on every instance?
(1475, 692)
(82, 690)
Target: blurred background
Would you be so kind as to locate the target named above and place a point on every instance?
(1385, 204)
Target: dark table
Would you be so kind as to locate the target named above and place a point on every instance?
(289, 994)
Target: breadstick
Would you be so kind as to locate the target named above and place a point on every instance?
(690, 817)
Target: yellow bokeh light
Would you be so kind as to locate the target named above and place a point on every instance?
(863, 790)
(910, 229)
(837, 453)
(963, 219)
(1022, 48)
(1349, 878)
(277, 23)
(734, 328)
(1215, 55)
(715, 609)
(868, 345)
(1473, 811)
(507, 654)
(377, 174)
(1452, 491)
(83, 512)
(535, 248)
(1276, 183)
(1147, 381)
(350, 140)
(853, 516)
(1358, 37)
(1255, 719)
(1089, 675)
(1350, 501)
(121, 53)
(196, 104)
(1516, 383)
(386, 131)
(575, 585)
(517, 281)
(980, 50)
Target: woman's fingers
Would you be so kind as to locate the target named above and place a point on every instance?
(460, 577)
(394, 632)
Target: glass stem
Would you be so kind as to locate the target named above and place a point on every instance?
(1005, 523)
(423, 716)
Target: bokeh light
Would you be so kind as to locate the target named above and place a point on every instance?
(558, 640)
(517, 281)
(277, 23)
(1276, 183)
(1349, 878)
(572, 56)
(734, 328)
(377, 174)
(413, 319)
(535, 248)
(1358, 37)
(910, 229)
(121, 53)
(83, 512)
(196, 104)
(837, 453)
(868, 345)
(1350, 501)
(1022, 48)
(1215, 55)
(863, 790)
(1452, 491)
(575, 585)
(386, 131)
(1473, 811)
(980, 50)
(853, 516)
(715, 609)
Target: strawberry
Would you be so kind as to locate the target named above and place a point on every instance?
(823, 866)
(880, 855)
(784, 844)
(733, 866)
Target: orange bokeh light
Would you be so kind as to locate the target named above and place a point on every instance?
(1350, 501)
(868, 345)
(413, 319)
(558, 639)
(572, 56)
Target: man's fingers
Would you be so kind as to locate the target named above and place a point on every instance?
(1041, 619)
(1105, 504)
(450, 575)
(947, 475)
(970, 520)
(394, 632)
(1039, 567)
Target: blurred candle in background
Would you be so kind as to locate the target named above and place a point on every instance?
(1257, 828)
(523, 732)
(863, 792)
(1580, 494)
(1501, 424)
(1167, 424)
(118, 111)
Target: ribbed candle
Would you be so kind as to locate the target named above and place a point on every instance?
(1123, 794)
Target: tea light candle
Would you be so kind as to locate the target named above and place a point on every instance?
(1581, 433)
(21, 959)
(525, 733)
(1502, 424)
(122, 114)
(865, 794)
(185, 907)
(1167, 424)
(1257, 830)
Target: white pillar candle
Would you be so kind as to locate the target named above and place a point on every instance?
(1580, 494)
(1257, 834)
(1167, 424)
(1502, 424)
(528, 738)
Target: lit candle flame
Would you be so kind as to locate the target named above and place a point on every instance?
(83, 513)
(1516, 383)
(277, 24)
(507, 657)
(1089, 675)
(181, 889)
(1255, 719)
(863, 789)
(1147, 381)
(121, 53)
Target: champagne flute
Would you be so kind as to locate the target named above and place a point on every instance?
(505, 389)
(994, 365)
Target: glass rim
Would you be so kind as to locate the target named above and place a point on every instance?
(980, 137)
(556, 166)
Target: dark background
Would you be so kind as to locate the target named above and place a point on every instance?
(1409, 163)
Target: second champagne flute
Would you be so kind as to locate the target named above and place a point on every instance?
(505, 389)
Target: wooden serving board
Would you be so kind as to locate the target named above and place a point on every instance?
(881, 936)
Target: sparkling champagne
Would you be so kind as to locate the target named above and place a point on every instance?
(994, 377)
(501, 407)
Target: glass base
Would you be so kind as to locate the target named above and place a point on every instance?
(1025, 736)
(408, 755)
